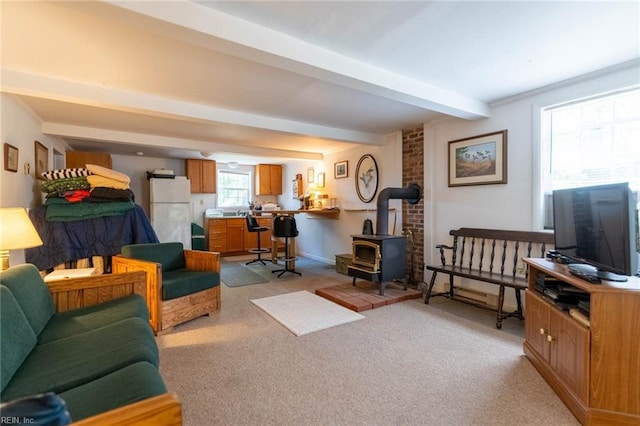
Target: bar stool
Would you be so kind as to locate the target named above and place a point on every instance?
(254, 226)
(285, 227)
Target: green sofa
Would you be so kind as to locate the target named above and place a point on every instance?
(96, 358)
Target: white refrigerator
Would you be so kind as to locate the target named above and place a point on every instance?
(171, 209)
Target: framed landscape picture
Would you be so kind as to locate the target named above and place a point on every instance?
(478, 160)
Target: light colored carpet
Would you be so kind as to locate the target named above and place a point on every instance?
(406, 364)
(302, 312)
(238, 274)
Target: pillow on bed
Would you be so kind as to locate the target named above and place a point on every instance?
(65, 173)
(108, 173)
(101, 181)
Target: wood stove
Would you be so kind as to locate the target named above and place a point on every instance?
(381, 257)
(378, 258)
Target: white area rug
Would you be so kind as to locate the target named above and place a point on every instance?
(302, 312)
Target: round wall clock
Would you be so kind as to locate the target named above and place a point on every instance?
(367, 178)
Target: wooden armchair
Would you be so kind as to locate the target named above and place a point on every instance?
(181, 284)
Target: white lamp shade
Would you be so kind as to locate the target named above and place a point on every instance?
(16, 230)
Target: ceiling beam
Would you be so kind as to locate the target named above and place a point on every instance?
(28, 84)
(156, 141)
(201, 25)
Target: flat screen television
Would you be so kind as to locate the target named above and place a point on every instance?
(596, 229)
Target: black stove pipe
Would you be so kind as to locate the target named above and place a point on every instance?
(412, 193)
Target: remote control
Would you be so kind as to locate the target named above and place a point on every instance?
(588, 277)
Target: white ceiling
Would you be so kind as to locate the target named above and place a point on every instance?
(273, 81)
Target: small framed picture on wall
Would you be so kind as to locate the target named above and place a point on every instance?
(341, 169)
(10, 158)
(42, 159)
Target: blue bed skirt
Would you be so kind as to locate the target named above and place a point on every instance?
(81, 239)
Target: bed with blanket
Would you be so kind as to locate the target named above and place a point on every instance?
(87, 212)
(80, 239)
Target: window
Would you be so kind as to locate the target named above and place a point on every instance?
(234, 188)
(591, 142)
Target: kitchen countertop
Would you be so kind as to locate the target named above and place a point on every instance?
(322, 212)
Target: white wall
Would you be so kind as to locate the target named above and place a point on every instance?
(323, 238)
(136, 167)
(20, 128)
(513, 205)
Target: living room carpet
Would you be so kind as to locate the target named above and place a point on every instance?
(308, 267)
(238, 274)
(302, 312)
(365, 295)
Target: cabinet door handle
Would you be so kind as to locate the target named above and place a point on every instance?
(543, 331)
(550, 338)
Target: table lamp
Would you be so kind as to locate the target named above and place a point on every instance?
(16, 232)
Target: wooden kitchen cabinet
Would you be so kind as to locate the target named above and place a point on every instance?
(593, 368)
(226, 235)
(79, 159)
(268, 179)
(217, 235)
(235, 234)
(202, 175)
(230, 235)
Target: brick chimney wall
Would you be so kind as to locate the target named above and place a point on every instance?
(413, 214)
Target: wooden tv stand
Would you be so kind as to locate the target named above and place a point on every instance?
(594, 369)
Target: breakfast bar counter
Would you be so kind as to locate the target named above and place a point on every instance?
(228, 234)
(311, 214)
(324, 213)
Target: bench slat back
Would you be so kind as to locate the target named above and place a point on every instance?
(504, 245)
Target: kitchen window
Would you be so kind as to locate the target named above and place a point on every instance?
(590, 142)
(234, 189)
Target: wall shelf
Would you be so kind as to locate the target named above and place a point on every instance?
(367, 210)
(311, 213)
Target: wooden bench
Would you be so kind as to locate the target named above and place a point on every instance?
(491, 256)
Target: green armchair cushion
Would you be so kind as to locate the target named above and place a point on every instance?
(131, 384)
(183, 282)
(169, 255)
(85, 357)
(17, 338)
(69, 323)
(32, 294)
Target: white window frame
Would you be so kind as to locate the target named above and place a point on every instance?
(220, 188)
(541, 160)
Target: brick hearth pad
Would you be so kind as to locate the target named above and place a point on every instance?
(364, 295)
